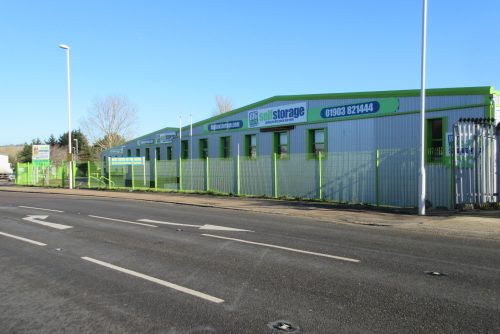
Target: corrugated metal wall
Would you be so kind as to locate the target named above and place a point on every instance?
(350, 167)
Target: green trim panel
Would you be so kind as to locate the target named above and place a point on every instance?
(484, 90)
(487, 91)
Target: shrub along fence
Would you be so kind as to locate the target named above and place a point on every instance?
(381, 177)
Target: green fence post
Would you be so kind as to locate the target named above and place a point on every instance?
(73, 163)
(156, 177)
(133, 176)
(238, 172)
(377, 180)
(452, 197)
(180, 171)
(17, 173)
(109, 173)
(275, 178)
(88, 174)
(208, 175)
(63, 174)
(320, 171)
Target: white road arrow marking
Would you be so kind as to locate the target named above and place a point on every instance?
(200, 227)
(35, 219)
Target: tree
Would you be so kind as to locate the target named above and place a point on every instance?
(25, 155)
(51, 141)
(224, 104)
(75, 134)
(110, 121)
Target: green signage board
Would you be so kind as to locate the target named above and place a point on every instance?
(371, 108)
(299, 113)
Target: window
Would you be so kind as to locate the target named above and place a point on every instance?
(185, 149)
(251, 146)
(225, 147)
(129, 153)
(137, 152)
(316, 142)
(157, 154)
(281, 144)
(169, 152)
(435, 140)
(147, 153)
(203, 148)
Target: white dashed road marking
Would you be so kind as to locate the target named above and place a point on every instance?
(157, 281)
(284, 248)
(23, 239)
(32, 207)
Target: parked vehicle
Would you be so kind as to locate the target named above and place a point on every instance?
(5, 168)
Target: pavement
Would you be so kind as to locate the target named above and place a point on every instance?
(469, 224)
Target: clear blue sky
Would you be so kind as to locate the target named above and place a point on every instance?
(172, 58)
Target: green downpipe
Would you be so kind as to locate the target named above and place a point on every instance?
(133, 176)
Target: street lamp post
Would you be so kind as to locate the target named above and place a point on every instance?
(70, 158)
(422, 181)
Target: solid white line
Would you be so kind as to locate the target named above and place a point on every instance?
(23, 239)
(157, 281)
(285, 248)
(166, 223)
(122, 221)
(32, 207)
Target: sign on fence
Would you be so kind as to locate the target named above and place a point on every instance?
(41, 152)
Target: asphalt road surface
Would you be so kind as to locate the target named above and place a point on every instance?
(72, 264)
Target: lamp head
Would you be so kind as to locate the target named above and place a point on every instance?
(64, 46)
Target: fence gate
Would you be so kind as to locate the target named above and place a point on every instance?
(474, 148)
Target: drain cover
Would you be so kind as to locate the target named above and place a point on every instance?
(434, 273)
(284, 326)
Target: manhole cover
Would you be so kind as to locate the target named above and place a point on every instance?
(284, 326)
(434, 273)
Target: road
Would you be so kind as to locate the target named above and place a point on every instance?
(80, 264)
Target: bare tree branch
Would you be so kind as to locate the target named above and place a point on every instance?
(224, 104)
(110, 121)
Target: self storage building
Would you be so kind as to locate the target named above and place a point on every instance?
(347, 147)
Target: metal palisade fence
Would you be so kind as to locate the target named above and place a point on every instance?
(387, 177)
